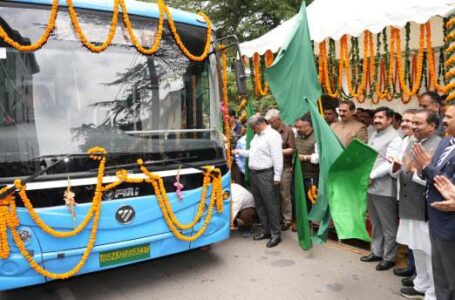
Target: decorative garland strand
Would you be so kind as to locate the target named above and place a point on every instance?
(227, 130)
(409, 92)
(42, 40)
(9, 219)
(324, 71)
(163, 10)
(92, 47)
(450, 58)
(261, 90)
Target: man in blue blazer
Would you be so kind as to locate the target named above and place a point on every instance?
(441, 222)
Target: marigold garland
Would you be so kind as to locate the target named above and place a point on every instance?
(366, 60)
(44, 37)
(259, 89)
(450, 59)
(7, 219)
(163, 10)
(385, 73)
(92, 47)
(227, 130)
(8, 216)
(431, 63)
(324, 69)
(159, 31)
(313, 194)
(416, 86)
(179, 41)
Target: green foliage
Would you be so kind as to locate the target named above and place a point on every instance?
(244, 18)
(247, 20)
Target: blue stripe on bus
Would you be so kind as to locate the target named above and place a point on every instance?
(137, 8)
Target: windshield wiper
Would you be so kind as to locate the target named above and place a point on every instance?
(64, 158)
(29, 179)
(134, 166)
(70, 155)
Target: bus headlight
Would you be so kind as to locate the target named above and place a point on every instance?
(26, 236)
(226, 195)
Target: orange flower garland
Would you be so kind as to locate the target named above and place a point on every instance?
(178, 40)
(94, 48)
(227, 130)
(8, 216)
(324, 69)
(416, 85)
(261, 91)
(450, 59)
(387, 77)
(44, 37)
(134, 40)
(96, 207)
(344, 55)
(431, 63)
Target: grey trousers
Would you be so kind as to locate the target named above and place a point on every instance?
(383, 212)
(267, 200)
(443, 260)
(285, 193)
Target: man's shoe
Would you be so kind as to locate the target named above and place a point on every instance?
(411, 293)
(385, 265)
(370, 257)
(408, 281)
(273, 242)
(285, 226)
(261, 236)
(403, 272)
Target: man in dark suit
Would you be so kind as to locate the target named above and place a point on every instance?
(442, 223)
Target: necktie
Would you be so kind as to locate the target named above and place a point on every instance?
(446, 152)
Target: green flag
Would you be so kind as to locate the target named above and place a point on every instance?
(301, 212)
(329, 148)
(294, 82)
(293, 76)
(348, 186)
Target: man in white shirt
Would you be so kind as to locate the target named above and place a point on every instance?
(266, 165)
(243, 208)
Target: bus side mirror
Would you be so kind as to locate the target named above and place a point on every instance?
(240, 77)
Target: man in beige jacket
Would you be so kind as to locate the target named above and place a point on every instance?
(348, 128)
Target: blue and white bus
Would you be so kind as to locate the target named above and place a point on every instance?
(61, 100)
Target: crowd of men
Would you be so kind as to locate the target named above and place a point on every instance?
(411, 195)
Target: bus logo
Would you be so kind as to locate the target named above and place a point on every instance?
(121, 193)
(125, 214)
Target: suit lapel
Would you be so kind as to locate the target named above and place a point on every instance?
(444, 162)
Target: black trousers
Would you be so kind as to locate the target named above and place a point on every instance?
(267, 200)
(443, 260)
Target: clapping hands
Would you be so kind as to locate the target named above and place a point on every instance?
(447, 190)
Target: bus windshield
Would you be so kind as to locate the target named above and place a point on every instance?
(64, 99)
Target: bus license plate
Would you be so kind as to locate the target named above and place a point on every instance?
(124, 255)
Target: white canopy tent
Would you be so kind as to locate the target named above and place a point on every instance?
(334, 18)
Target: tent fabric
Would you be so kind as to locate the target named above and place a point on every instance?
(334, 18)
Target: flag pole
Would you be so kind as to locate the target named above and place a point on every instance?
(321, 110)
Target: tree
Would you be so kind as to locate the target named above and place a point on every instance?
(244, 18)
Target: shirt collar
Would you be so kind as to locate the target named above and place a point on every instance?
(384, 131)
(268, 128)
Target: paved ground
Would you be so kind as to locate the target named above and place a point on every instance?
(235, 269)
